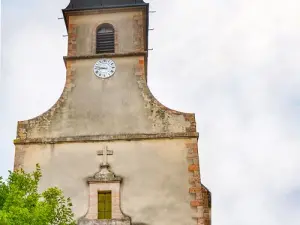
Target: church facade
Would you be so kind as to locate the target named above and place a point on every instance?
(108, 143)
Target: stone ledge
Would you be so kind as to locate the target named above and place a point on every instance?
(92, 180)
(110, 55)
(99, 138)
(125, 221)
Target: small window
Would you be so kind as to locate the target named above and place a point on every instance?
(105, 40)
(104, 205)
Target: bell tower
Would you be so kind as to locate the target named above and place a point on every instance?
(108, 143)
(126, 21)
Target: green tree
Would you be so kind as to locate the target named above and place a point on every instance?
(21, 204)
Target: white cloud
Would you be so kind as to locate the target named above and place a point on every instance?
(234, 63)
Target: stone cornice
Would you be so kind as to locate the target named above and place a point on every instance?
(100, 138)
(96, 10)
(108, 55)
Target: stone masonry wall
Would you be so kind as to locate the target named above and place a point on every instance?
(129, 99)
(155, 172)
(129, 81)
(120, 111)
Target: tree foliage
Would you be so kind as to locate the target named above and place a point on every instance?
(21, 204)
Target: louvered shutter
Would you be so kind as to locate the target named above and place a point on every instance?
(105, 41)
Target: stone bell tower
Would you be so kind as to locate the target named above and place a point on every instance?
(108, 143)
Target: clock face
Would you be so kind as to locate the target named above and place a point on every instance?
(104, 68)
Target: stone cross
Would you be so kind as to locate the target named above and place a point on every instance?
(105, 153)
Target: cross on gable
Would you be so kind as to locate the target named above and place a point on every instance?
(105, 153)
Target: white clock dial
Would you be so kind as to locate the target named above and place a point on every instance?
(104, 68)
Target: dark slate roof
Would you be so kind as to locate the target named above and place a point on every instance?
(98, 4)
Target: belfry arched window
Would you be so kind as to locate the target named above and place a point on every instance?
(105, 40)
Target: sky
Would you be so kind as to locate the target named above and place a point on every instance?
(233, 63)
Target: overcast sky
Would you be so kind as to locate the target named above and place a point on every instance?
(235, 63)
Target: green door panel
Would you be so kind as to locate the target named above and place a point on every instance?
(104, 205)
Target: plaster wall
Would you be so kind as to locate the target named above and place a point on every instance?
(161, 175)
(155, 188)
(121, 104)
(128, 24)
